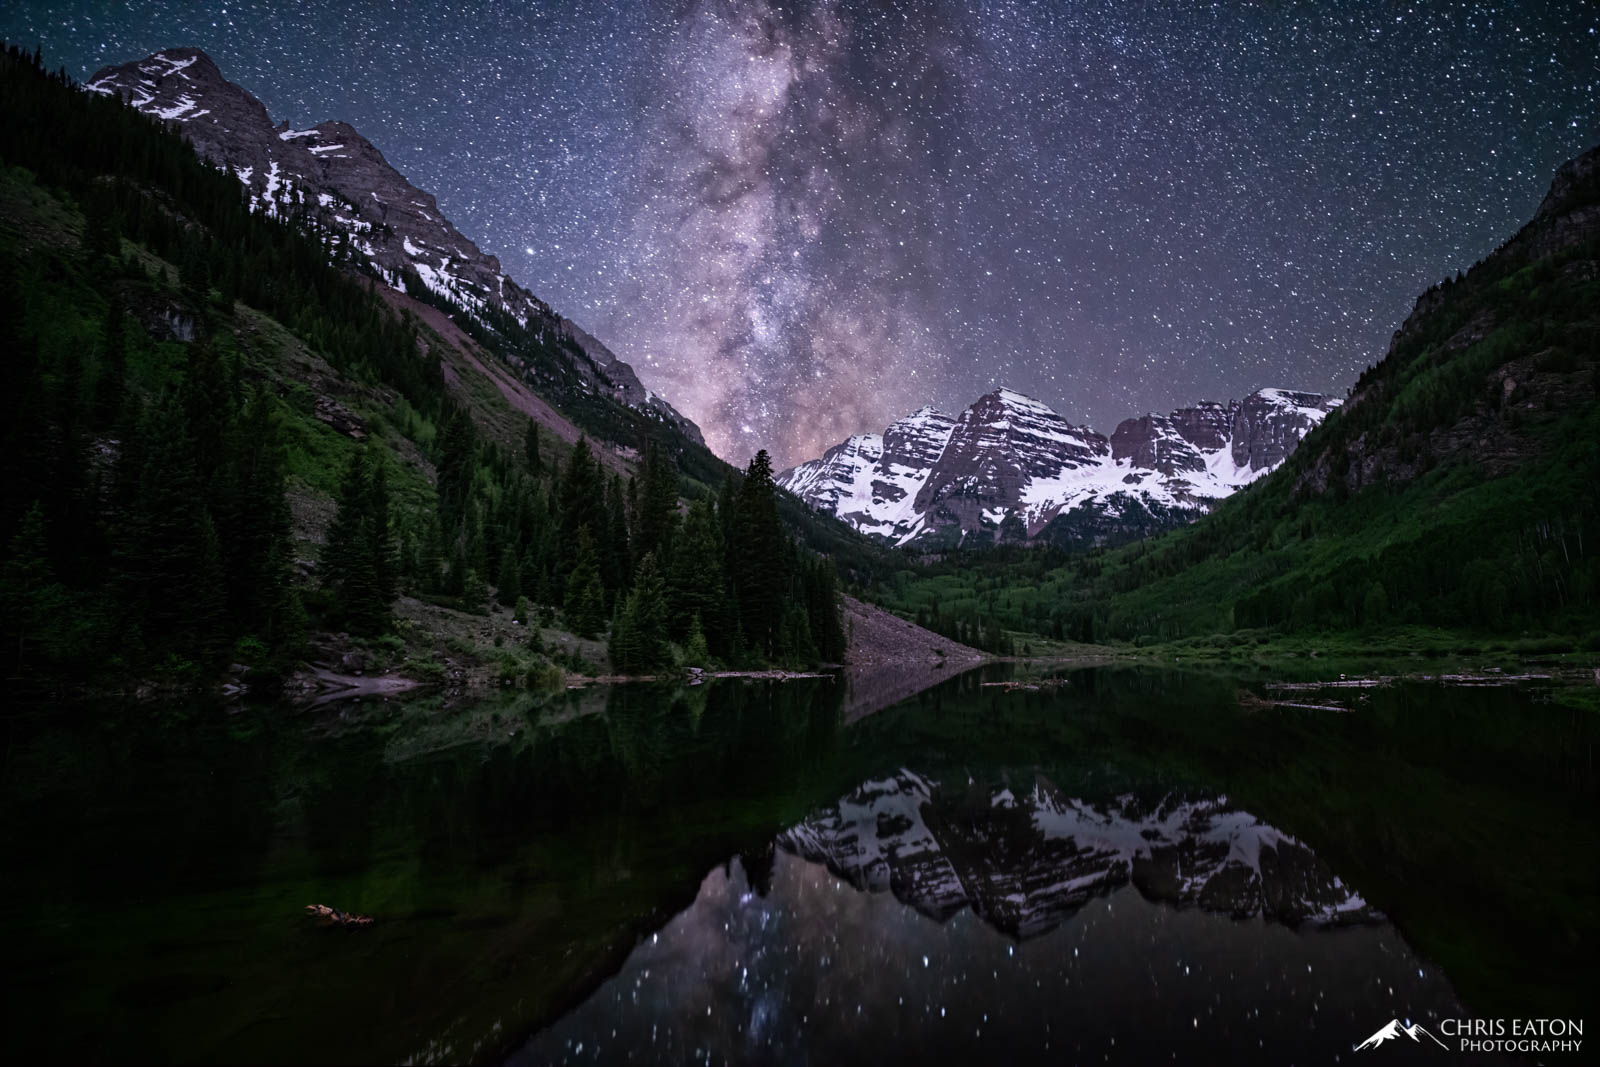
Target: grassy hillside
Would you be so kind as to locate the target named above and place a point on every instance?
(222, 436)
(1452, 499)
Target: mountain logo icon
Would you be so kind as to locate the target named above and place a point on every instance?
(1393, 1029)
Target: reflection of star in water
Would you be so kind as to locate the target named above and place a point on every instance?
(816, 971)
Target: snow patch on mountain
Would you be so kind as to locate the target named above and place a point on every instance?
(331, 176)
(930, 479)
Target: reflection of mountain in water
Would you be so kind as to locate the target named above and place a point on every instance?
(1025, 863)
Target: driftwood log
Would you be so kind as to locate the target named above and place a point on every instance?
(335, 917)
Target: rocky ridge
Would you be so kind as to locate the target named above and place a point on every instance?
(332, 177)
(1540, 377)
(1009, 468)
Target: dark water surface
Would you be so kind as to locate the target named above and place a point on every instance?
(1130, 867)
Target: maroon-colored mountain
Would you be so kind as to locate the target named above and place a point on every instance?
(1010, 468)
(331, 176)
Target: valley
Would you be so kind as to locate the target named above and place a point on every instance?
(397, 673)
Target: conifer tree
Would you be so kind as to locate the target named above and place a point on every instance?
(430, 555)
(380, 532)
(657, 503)
(822, 610)
(586, 594)
(474, 592)
(639, 638)
(696, 653)
(582, 502)
(204, 628)
(111, 382)
(166, 554)
(793, 643)
(351, 566)
(697, 578)
(456, 465)
(619, 557)
(530, 447)
(756, 557)
(252, 517)
(30, 597)
(508, 580)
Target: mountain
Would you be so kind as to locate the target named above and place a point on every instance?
(1453, 490)
(1010, 468)
(228, 439)
(1025, 861)
(330, 177)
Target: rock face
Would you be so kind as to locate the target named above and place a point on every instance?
(1025, 863)
(331, 177)
(1010, 468)
(872, 481)
(1531, 382)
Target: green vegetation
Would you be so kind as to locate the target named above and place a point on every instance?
(1450, 504)
(218, 438)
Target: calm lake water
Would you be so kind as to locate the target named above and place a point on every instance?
(1130, 866)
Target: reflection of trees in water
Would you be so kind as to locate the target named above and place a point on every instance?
(740, 733)
(758, 864)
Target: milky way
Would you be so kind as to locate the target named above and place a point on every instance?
(801, 220)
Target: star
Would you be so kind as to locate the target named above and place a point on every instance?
(808, 219)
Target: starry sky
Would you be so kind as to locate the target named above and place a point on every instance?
(800, 220)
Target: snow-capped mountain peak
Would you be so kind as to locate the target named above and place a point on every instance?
(1010, 467)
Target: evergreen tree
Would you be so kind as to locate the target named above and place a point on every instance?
(697, 579)
(166, 556)
(756, 557)
(31, 600)
(619, 557)
(475, 545)
(639, 638)
(474, 592)
(586, 594)
(530, 447)
(380, 532)
(822, 610)
(657, 503)
(582, 502)
(508, 580)
(351, 566)
(206, 627)
(430, 556)
(696, 653)
(456, 465)
(252, 518)
(793, 642)
(111, 382)
(194, 273)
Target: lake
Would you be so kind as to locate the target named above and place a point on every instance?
(1116, 864)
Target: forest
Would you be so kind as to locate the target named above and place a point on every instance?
(1454, 493)
(155, 452)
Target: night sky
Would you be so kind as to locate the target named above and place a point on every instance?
(802, 220)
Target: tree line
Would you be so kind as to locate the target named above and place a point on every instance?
(143, 507)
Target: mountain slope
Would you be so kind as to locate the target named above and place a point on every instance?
(1455, 488)
(1009, 468)
(221, 436)
(331, 178)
